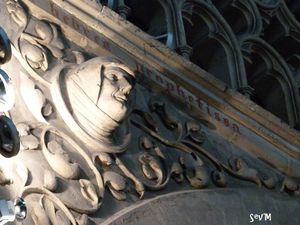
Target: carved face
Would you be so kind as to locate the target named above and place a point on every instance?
(99, 93)
(115, 92)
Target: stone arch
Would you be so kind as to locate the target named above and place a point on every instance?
(272, 81)
(242, 16)
(153, 17)
(283, 32)
(205, 28)
(294, 7)
(268, 4)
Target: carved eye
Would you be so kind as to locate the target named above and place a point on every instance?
(113, 77)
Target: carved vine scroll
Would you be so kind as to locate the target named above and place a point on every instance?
(93, 130)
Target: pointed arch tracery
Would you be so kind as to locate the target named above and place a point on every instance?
(242, 16)
(272, 81)
(215, 47)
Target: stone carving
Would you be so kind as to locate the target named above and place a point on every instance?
(241, 168)
(81, 129)
(4, 177)
(88, 191)
(34, 97)
(195, 171)
(194, 132)
(50, 180)
(116, 184)
(17, 12)
(289, 185)
(27, 137)
(100, 98)
(59, 160)
(138, 185)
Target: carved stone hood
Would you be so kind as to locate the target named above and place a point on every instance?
(78, 91)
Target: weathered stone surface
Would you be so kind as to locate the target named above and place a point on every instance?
(115, 117)
(220, 207)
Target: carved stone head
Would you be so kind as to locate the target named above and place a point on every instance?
(105, 84)
(99, 96)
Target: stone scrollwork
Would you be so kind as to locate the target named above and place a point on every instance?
(89, 192)
(33, 96)
(36, 37)
(289, 185)
(116, 184)
(17, 12)
(50, 180)
(38, 42)
(60, 161)
(86, 135)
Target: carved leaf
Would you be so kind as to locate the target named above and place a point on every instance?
(46, 37)
(146, 142)
(139, 187)
(83, 220)
(195, 172)
(50, 180)
(39, 215)
(59, 160)
(29, 142)
(160, 108)
(243, 171)
(57, 217)
(89, 192)
(177, 172)
(269, 183)
(219, 178)
(104, 158)
(289, 185)
(33, 98)
(47, 109)
(23, 129)
(56, 41)
(35, 55)
(194, 132)
(44, 31)
(49, 208)
(151, 168)
(61, 218)
(16, 12)
(148, 172)
(148, 119)
(116, 184)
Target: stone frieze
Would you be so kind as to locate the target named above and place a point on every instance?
(90, 132)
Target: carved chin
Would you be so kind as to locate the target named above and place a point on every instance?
(118, 112)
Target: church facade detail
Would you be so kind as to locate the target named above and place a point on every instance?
(119, 128)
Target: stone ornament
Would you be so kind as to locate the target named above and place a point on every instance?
(98, 99)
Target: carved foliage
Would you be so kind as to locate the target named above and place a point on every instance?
(38, 38)
(74, 178)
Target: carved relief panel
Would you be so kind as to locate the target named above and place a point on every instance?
(92, 136)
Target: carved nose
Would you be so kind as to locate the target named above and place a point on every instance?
(126, 87)
(126, 90)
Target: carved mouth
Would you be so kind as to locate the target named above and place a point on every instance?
(121, 99)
